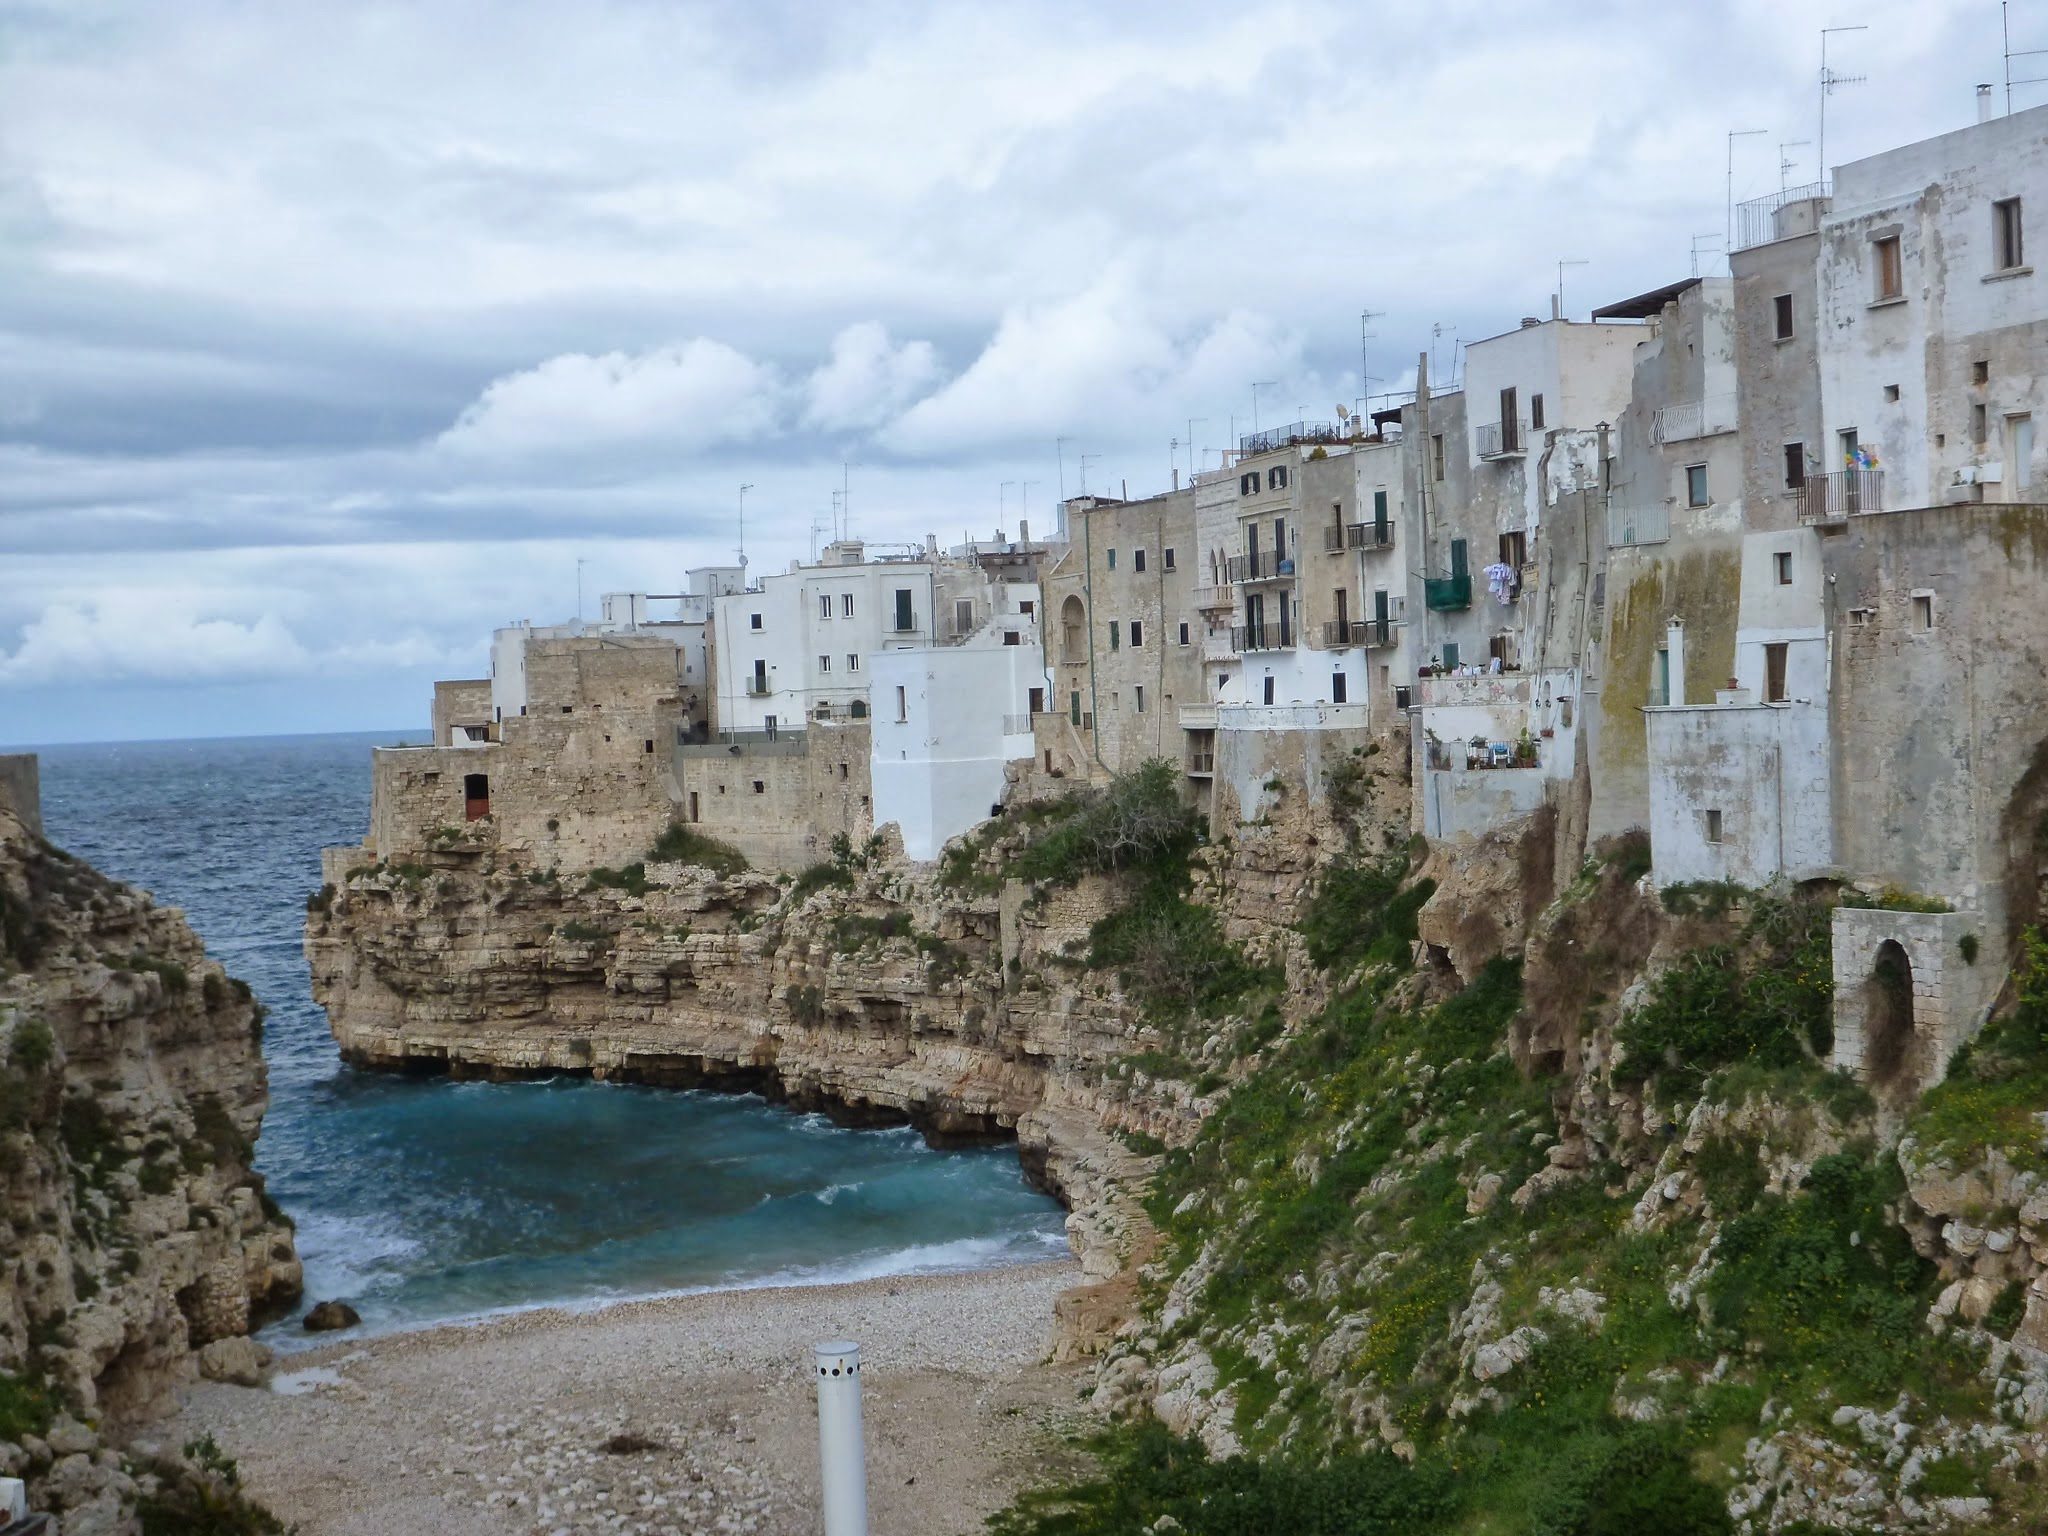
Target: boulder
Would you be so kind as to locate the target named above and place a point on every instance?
(242, 1362)
(330, 1316)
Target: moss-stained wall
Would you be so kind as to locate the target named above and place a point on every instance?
(1699, 583)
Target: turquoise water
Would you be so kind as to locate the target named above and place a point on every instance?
(423, 1200)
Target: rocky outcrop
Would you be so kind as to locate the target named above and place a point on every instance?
(885, 999)
(136, 1234)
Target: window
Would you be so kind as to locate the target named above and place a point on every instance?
(824, 605)
(1337, 684)
(568, 709)
(1509, 439)
(1028, 608)
(1923, 610)
(1276, 478)
(1268, 694)
(1536, 413)
(1980, 371)
(1980, 423)
(902, 703)
(1859, 617)
(760, 675)
(1137, 634)
(757, 621)
(1774, 673)
(905, 618)
(1891, 394)
(963, 615)
(1795, 466)
(1436, 455)
(846, 605)
(1781, 309)
(1248, 485)
(842, 770)
(853, 661)
(1169, 557)
(1012, 637)
(1183, 633)
(1074, 707)
(1713, 821)
(1038, 701)
(1781, 566)
(1660, 678)
(824, 663)
(1514, 548)
(2007, 247)
(1137, 560)
(1140, 692)
(760, 788)
(1112, 558)
(1891, 282)
(1695, 485)
(1451, 654)
(1115, 634)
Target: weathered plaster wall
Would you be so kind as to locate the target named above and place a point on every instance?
(1937, 727)
(1777, 380)
(1764, 768)
(1292, 748)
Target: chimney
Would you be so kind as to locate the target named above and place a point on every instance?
(1985, 110)
(1023, 531)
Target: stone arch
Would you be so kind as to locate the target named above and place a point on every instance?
(1890, 1034)
(1073, 630)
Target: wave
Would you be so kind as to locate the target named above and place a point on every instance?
(832, 1192)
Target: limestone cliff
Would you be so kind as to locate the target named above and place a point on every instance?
(136, 1234)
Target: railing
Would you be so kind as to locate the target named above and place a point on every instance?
(758, 690)
(1830, 498)
(1266, 565)
(1016, 725)
(1628, 526)
(1368, 633)
(1373, 535)
(1500, 439)
(1202, 764)
(1757, 221)
(1337, 634)
(1213, 597)
(1296, 432)
(1691, 419)
(1447, 594)
(1260, 637)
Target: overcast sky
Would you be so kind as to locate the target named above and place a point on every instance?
(332, 336)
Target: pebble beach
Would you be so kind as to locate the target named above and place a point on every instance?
(677, 1414)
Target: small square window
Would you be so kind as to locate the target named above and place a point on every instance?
(1713, 826)
(1696, 485)
(1980, 371)
(1137, 634)
(760, 788)
(1858, 617)
(756, 620)
(1891, 394)
(1781, 309)
(1781, 565)
(1923, 610)
(2007, 246)
(1169, 557)
(1137, 560)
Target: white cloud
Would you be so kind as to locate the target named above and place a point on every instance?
(868, 379)
(86, 643)
(685, 397)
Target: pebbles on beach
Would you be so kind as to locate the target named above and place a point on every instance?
(682, 1414)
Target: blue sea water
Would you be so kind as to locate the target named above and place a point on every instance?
(424, 1200)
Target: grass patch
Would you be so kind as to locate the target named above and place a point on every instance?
(632, 879)
(1998, 1082)
(684, 844)
(1360, 913)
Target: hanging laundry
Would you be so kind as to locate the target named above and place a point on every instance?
(1500, 581)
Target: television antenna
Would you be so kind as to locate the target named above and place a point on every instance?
(1257, 385)
(743, 526)
(1829, 83)
(1785, 161)
(1086, 460)
(2005, 30)
(1733, 135)
(1193, 463)
(1023, 501)
(1366, 334)
(1059, 448)
(1705, 242)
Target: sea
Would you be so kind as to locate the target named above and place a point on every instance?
(422, 1201)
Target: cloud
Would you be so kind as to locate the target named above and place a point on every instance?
(121, 642)
(686, 397)
(868, 379)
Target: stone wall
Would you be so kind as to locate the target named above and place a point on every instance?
(463, 702)
(21, 789)
(780, 802)
(1902, 1047)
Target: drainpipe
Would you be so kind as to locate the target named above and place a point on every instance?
(842, 1457)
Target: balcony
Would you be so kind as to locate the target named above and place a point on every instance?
(1501, 439)
(1333, 539)
(1209, 599)
(1693, 419)
(1266, 565)
(1367, 634)
(1830, 498)
(1373, 535)
(1260, 637)
(1447, 594)
(757, 689)
(1197, 717)
(1202, 765)
(1779, 216)
(1308, 432)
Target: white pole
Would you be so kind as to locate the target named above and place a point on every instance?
(842, 1456)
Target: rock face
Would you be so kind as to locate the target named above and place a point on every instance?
(881, 1001)
(132, 1087)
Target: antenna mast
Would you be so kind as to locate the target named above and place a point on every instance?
(1366, 334)
(1828, 81)
(743, 526)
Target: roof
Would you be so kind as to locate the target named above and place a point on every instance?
(1645, 306)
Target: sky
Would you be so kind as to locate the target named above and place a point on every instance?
(334, 336)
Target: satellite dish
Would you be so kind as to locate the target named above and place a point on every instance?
(1343, 411)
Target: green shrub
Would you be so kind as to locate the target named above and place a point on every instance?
(217, 1129)
(23, 932)
(585, 933)
(320, 900)
(25, 1407)
(820, 876)
(1703, 898)
(1171, 954)
(31, 1047)
(2007, 1310)
(1627, 853)
(169, 972)
(1997, 1083)
(1893, 899)
(1138, 820)
(632, 879)
(1359, 912)
(684, 844)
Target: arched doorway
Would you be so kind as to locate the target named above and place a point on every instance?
(1888, 1052)
(1073, 630)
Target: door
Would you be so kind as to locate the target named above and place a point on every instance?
(1852, 483)
(760, 677)
(1279, 543)
(1343, 616)
(1380, 532)
(1251, 551)
(1255, 621)
(1380, 615)
(1458, 566)
(2019, 456)
(1269, 690)
(903, 616)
